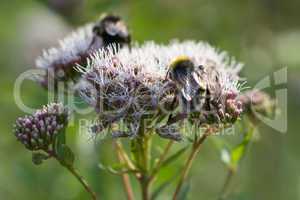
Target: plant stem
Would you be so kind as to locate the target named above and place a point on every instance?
(145, 188)
(188, 164)
(82, 181)
(75, 173)
(161, 159)
(141, 151)
(226, 185)
(125, 158)
(125, 177)
(144, 156)
(232, 170)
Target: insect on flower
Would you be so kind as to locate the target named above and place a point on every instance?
(111, 29)
(58, 62)
(189, 79)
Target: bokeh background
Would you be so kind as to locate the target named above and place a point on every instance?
(264, 34)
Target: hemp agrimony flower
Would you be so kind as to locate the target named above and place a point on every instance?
(59, 62)
(135, 82)
(38, 131)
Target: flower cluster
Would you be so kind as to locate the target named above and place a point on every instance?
(133, 83)
(255, 101)
(58, 63)
(38, 131)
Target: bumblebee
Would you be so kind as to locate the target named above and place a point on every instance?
(188, 77)
(110, 29)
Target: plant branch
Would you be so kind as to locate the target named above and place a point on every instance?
(226, 185)
(161, 159)
(188, 164)
(76, 174)
(144, 155)
(82, 181)
(125, 177)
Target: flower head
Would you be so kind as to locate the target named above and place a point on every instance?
(255, 101)
(59, 62)
(133, 82)
(37, 131)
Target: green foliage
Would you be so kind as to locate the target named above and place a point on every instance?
(38, 158)
(232, 157)
(173, 157)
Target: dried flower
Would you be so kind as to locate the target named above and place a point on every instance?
(133, 82)
(59, 62)
(37, 131)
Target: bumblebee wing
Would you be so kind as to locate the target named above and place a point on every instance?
(186, 94)
(198, 78)
(189, 89)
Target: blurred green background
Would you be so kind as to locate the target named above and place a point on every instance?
(264, 34)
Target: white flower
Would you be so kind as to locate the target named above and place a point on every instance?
(70, 49)
(59, 62)
(134, 80)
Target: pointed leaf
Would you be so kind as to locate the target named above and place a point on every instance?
(239, 151)
(162, 187)
(174, 156)
(118, 169)
(65, 155)
(60, 140)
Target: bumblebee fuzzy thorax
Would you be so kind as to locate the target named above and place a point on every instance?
(181, 61)
(179, 68)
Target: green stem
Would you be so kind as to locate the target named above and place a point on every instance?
(144, 142)
(125, 157)
(226, 184)
(161, 159)
(82, 181)
(232, 170)
(125, 177)
(188, 164)
(144, 182)
(141, 150)
(75, 173)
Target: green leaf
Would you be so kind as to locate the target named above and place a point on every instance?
(38, 158)
(174, 156)
(118, 169)
(60, 140)
(65, 155)
(239, 151)
(163, 186)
